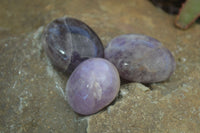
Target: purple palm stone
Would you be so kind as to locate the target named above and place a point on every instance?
(140, 58)
(92, 86)
(68, 42)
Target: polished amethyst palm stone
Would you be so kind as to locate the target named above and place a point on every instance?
(92, 86)
(140, 58)
(68, 42)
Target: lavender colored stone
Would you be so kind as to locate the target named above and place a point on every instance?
(92, 86)
(140, 58)
(68, 42)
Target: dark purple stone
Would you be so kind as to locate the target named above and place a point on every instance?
(140, 58)
(68, 42)
(92, 86)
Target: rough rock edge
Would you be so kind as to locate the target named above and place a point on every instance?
(124, 90)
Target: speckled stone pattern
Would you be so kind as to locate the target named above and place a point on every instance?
(93, 85)
(140, 58)
(68, 41)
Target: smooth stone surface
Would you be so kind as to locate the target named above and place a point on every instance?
(92, 86)
(140, 58)
(68, 42)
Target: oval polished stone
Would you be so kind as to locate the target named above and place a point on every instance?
(92, 86)
(140, 58)
(68, 42)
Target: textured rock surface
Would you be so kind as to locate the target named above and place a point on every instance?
(140, 58)
(31, 98)
(32, 92)
(92, 86)
(141, 110)
(68, 42)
